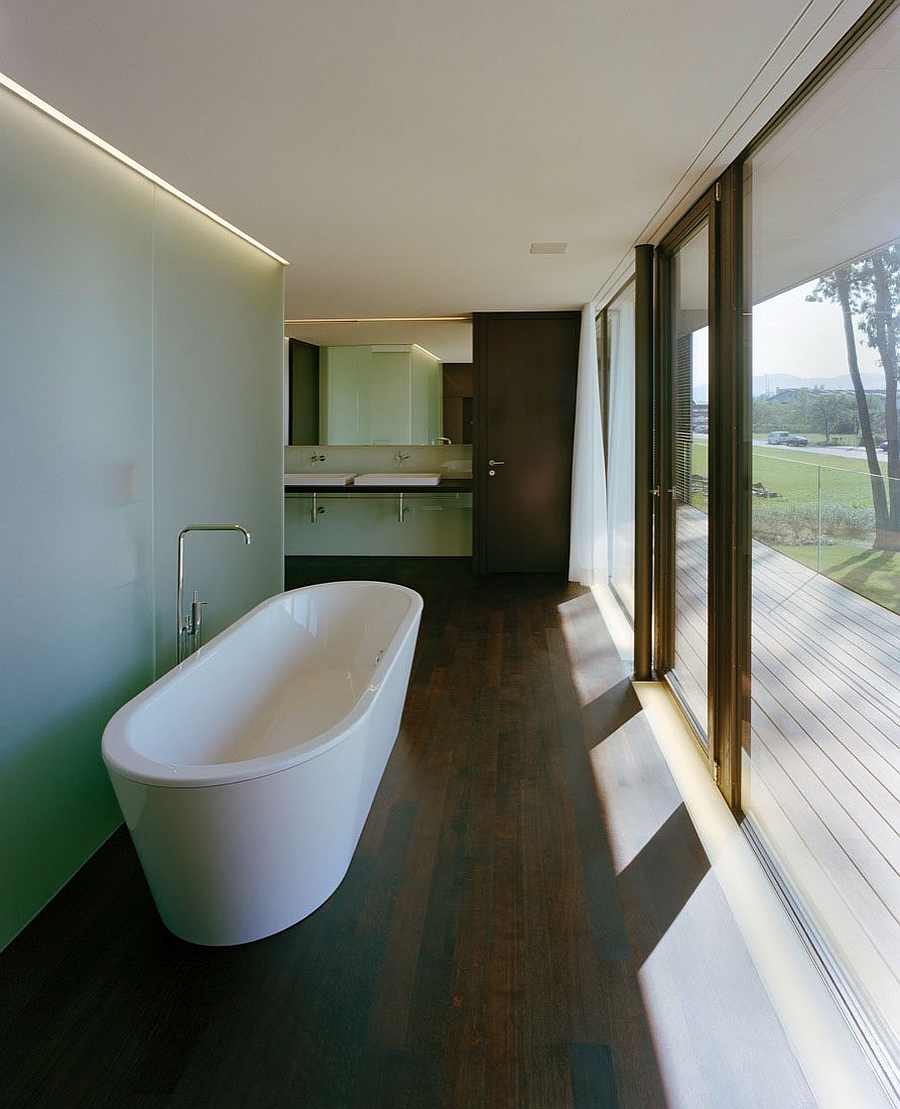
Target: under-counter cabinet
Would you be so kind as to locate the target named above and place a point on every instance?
(340, 521)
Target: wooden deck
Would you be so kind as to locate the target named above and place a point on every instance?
(823, 778)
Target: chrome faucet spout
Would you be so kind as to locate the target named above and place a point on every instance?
(189, 633)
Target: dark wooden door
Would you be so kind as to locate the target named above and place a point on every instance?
(526, 369)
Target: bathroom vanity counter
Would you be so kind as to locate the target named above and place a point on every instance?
(446, 485)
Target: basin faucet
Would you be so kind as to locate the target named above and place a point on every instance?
(400, 458)
(189, 635)
(442, 439)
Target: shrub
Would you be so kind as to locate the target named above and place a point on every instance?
(797, 525)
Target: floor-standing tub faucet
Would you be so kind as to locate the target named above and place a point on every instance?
(190, 624)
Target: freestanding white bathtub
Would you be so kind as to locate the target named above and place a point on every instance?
(246, 774)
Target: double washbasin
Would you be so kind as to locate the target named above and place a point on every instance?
(392, 479)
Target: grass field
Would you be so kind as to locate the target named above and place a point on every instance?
(872, 574)
(821, 516)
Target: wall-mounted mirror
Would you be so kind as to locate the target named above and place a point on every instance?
(379, 392)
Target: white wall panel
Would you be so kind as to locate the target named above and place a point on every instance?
(133, 332)
(75, 449)
(218, 418)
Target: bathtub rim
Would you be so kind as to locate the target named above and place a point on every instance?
(122, 759)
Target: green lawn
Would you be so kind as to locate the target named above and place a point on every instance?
(795, 469)
(821, 516)
(872, 574)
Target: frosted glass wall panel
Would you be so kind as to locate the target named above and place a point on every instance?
(75, 434)
(217, 416)
(620, 467)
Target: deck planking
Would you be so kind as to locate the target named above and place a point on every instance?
(825, 745)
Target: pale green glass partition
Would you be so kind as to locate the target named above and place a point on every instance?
(75, 499)
(218, 454)
(141, 371)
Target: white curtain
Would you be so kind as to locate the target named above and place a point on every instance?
(587, 540)
(620, 471)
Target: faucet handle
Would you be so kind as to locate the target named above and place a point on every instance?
(197, 612)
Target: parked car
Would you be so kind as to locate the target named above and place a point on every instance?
(778, 437)
(883, 446)
(796, 441)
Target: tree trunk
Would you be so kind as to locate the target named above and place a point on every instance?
(883, 533)
(886, 340)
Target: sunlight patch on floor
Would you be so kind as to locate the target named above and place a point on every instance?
(616, 622)
(830, 1057)
(634, 805)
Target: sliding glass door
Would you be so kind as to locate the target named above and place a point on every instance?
(682, 626)
(821, 780)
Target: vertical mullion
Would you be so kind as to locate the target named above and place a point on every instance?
(729, 640)
(644, 475)
(664, 508)
(604, 369)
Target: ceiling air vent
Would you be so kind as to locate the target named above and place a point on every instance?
(548, 248)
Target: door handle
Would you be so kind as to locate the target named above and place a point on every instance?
(496, 462)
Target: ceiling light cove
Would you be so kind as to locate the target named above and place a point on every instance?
(54, 113)
(548, 248)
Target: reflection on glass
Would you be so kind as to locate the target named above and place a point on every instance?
(821, 781)
(690, 372)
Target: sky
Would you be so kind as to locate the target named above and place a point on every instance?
(792, 336)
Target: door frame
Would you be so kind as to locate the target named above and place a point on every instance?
(702, 214)
(728, 635)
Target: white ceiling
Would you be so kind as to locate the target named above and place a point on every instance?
(404, 154)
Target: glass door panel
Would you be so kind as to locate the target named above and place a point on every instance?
(821, 774)
(686, 479)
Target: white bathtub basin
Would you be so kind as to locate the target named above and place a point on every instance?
(318, 479)
(246, 774)
(397, 479)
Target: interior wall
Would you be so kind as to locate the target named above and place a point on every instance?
(141, 370)
(218, 455)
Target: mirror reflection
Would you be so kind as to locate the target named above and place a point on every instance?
(377, 395)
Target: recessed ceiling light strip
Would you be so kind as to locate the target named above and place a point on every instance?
(60, 117)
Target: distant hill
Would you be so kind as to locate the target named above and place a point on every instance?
(771, 383)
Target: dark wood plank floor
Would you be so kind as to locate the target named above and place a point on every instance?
(476, 955)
